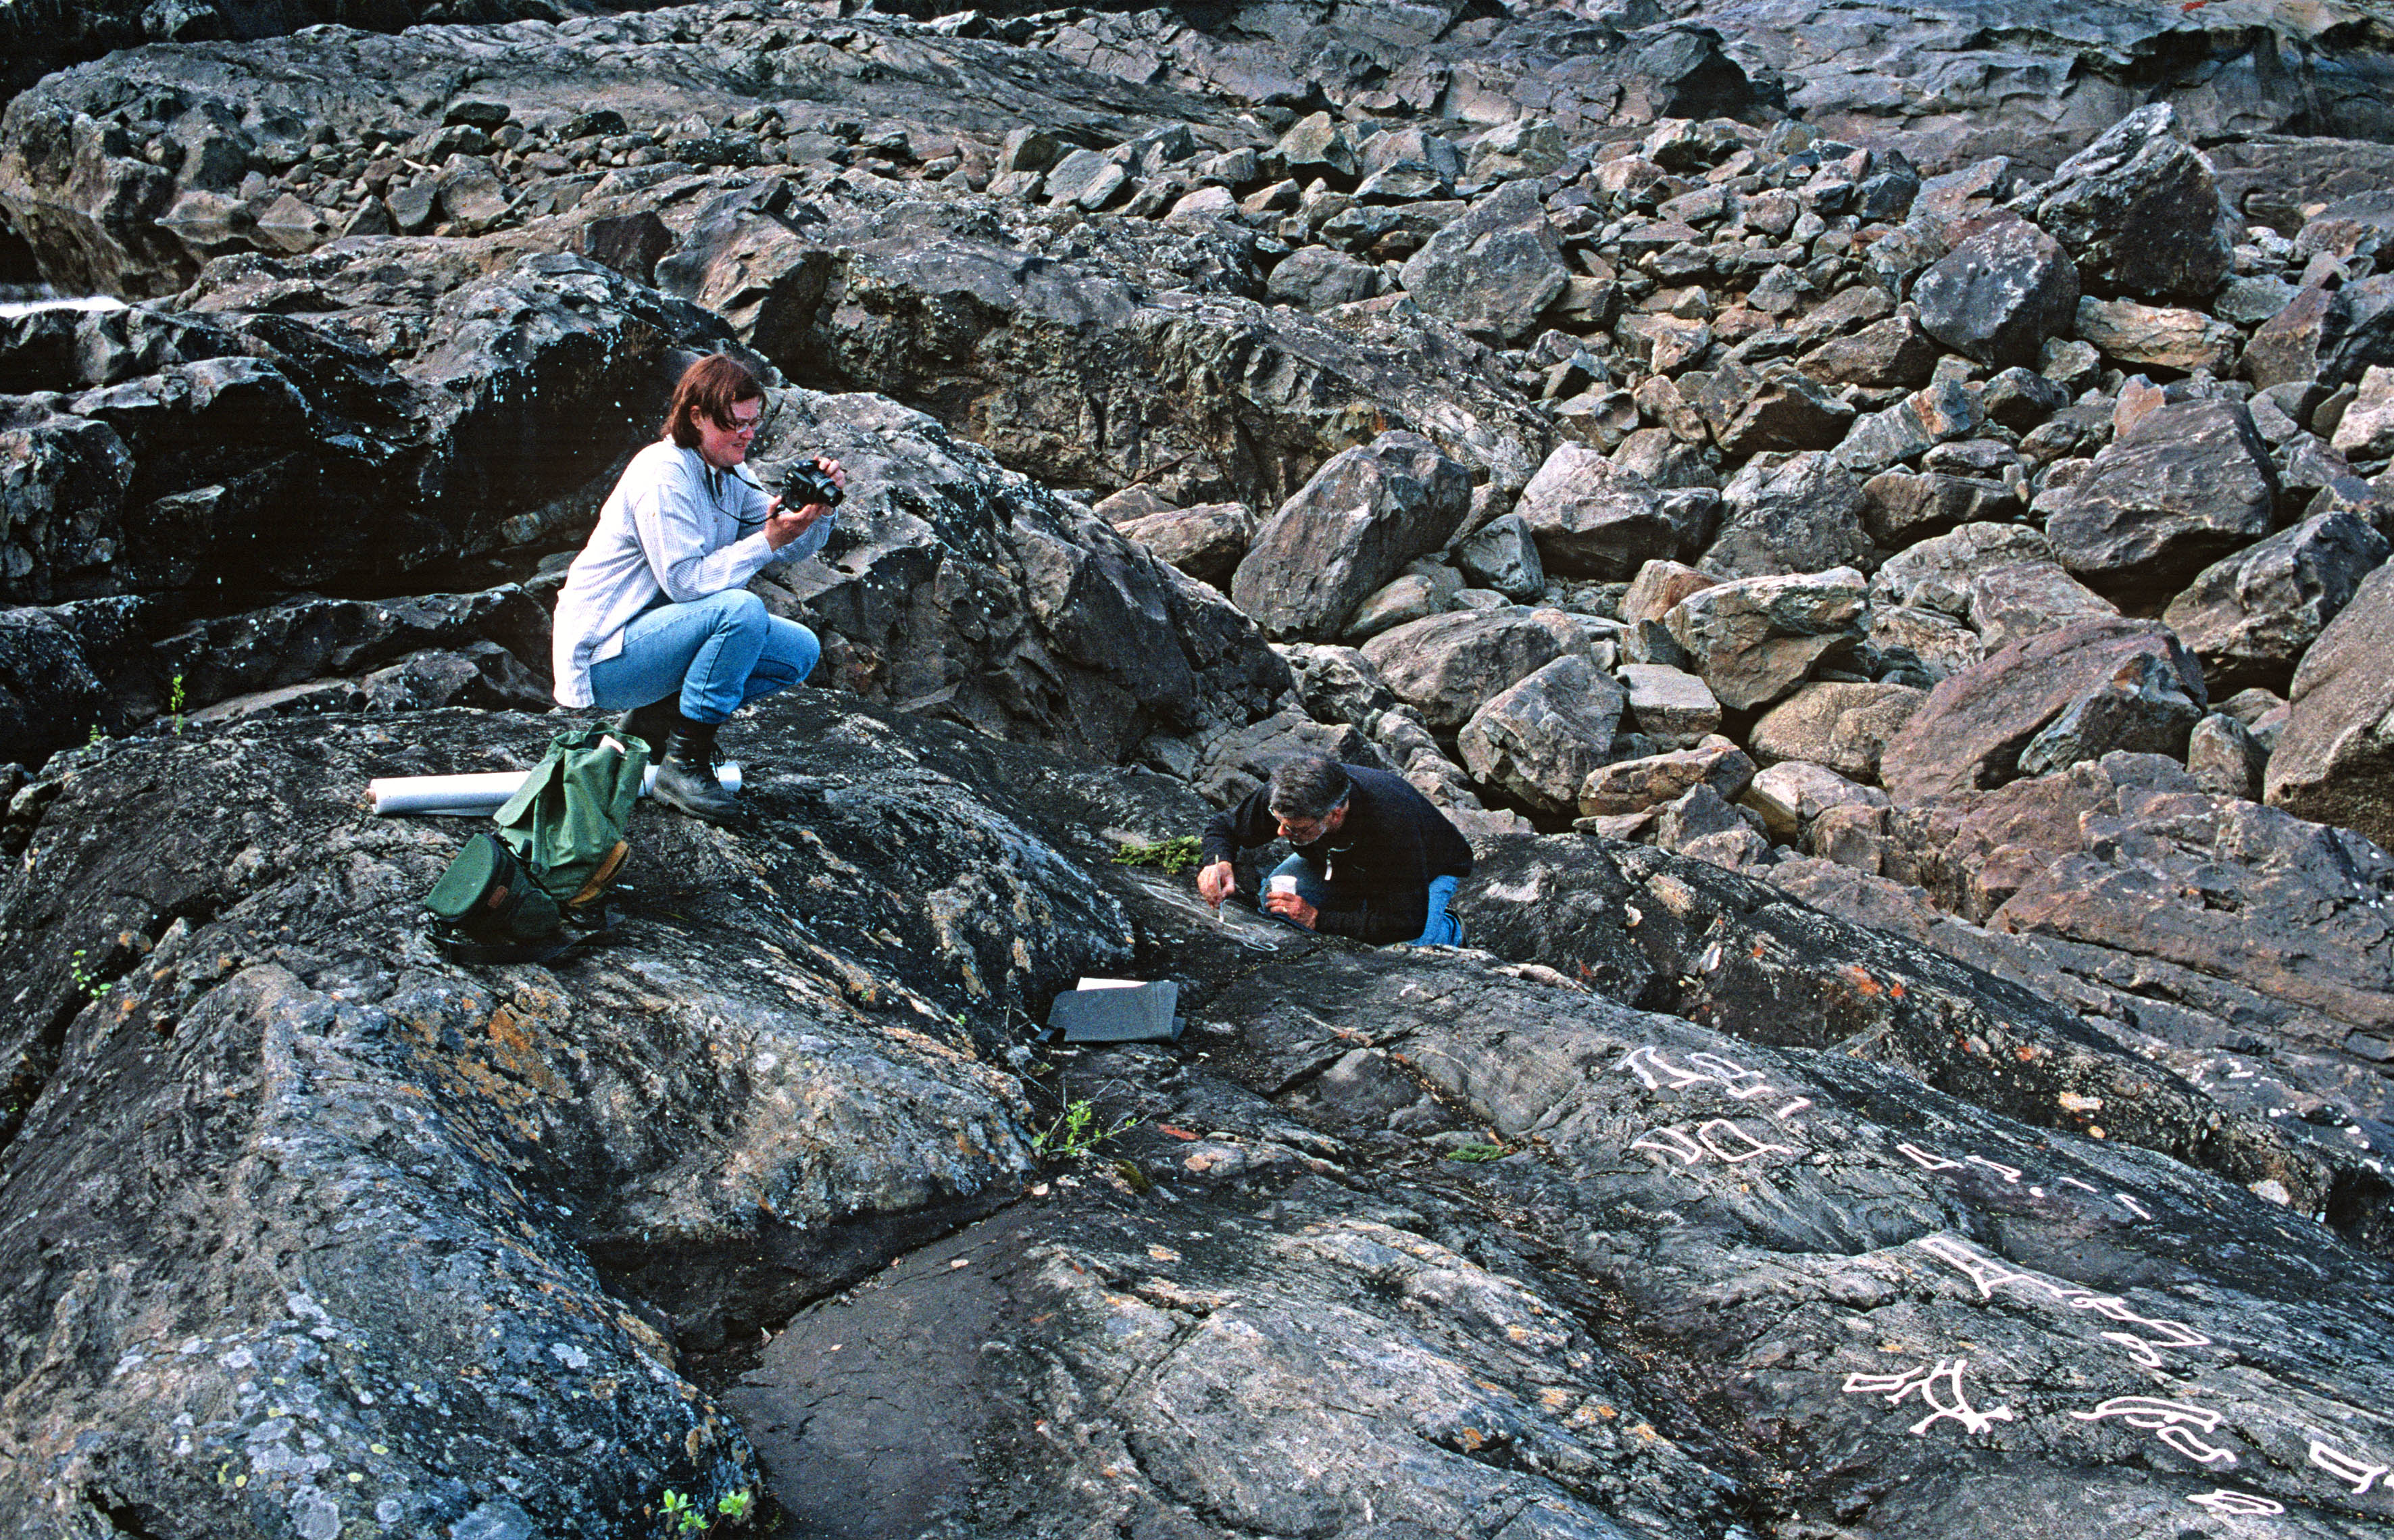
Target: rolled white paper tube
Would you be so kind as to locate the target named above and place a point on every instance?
(472, 795)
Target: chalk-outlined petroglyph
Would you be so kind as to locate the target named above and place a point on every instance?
(2083, 1187)
(1991, 1275)
(2139, 1210)
(1927, 1162)
(1658, 1073)
(2010, 1173)
(2172, 1422)
(1718, 1138)
(1704, 1132)
(2343, 1468)
(1955, 1404)
(2232, 1504)
(1670, 1141)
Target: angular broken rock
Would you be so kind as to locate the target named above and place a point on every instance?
(2026, 599)
(1349, 528)
(2335, 761)
(1657, 586)
(1902, 507)
(2251, 616)
(1670, 706)
(1314, 278)
(2366, 430)
(1640, 786)
(1207, 542)
(2138, 335)
(1935, 415)
(1495, 268)
(1756, 639)
(1448, 666)
(1776, 408)
(1801, 514)
(1539, 740)
(2137, 210)
(1970, 733)
(1999, 295)
(2147, 707)
(1591, 518)
(2183, 487)
(1503, 555)
(1936, 573)
(2225, 759)
(1793, 794)
(1842, 727)
(1924, 645)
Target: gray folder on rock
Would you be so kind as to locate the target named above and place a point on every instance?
(1143, 1013)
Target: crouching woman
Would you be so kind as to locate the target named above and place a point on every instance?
(655, 619)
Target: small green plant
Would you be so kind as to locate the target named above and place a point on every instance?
(175, 702)
(1477, 1153)
(96, 737)
(683, 1516)
(1171, 855)
(1075, 1132)
(734, 1506)
(87, 981)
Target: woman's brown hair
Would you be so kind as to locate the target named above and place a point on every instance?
(709, 387)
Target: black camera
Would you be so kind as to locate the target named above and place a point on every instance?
(810, 483)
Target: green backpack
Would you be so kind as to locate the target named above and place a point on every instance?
(537, 888)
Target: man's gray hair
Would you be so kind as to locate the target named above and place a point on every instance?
(1307, 786)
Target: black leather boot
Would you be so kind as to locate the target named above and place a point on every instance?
(686, 773)
(653, 723)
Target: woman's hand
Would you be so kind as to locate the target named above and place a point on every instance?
(1217, 882)
(781, 526)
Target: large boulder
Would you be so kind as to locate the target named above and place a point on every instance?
(1756, 639)
(1802, 514)
(2335, 761)
(1592, 518)
(2137, 211)
(1938, 572)
(1842, 727)
(1537, 740)
(1349, 528)
(2252, 617)
(1448, 666)
(1493, 271)
(1998, 295)
(1207, 542)
(1971, 731)
(2181, 487)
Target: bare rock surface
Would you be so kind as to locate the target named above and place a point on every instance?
(1970, 732)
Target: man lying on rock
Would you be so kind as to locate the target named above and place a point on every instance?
(655, 619)
(1374, 859)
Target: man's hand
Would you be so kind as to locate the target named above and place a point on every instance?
(1288, 906)
(781, 526)
(1216, 882)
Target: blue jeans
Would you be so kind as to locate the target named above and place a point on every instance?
(1444, 928)
(720, 652)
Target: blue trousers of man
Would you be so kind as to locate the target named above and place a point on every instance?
(720, 652)
(1313, 887)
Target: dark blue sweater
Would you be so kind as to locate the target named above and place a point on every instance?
(1381, 860)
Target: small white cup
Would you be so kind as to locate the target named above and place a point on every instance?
(1284, 885)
